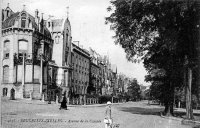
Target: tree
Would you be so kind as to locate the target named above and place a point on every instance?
(134, 91)
(162, 34)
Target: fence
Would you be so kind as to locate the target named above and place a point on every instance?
(78, 101)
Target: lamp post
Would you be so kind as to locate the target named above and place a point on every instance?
(23, 74)
(41, 65)
(48, 85)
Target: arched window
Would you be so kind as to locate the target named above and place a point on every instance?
(5, 74)
(7, 13)
(6, 45)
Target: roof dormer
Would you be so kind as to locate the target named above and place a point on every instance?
(6, 13)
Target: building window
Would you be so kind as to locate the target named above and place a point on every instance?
(7, 11)
(5, 74)
(23, 20)
(49, 24)
(6, 45)
(29, 22)
(23, 46)
(6, 55)
(6, 49)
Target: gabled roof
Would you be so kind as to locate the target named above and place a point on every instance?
(60, 24)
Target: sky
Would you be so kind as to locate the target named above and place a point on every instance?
(87, 18)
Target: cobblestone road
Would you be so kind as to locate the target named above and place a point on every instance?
(127, 115)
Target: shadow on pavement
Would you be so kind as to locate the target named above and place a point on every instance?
(142, 111)
(183, 115)
(196, 126)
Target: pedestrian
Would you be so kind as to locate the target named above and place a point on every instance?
(108, 118)
(63, 104)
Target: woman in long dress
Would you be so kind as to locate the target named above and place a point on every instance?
(108, 119)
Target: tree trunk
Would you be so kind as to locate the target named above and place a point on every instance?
(169, 109)
(169, 103)
(189, 110)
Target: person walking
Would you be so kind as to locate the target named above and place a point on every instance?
(108, 118)
(63, 104)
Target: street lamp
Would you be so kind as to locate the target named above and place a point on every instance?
(41, 52)
(23, 74)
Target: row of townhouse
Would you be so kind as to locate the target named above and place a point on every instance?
(40, 61)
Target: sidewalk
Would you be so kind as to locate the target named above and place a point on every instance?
(39, 102)
(179, 112)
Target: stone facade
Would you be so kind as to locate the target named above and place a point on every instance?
(95, 85)
(27, 48)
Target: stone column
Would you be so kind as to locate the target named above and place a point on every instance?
(90, 101)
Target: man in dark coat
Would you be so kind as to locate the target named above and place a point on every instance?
(63, 104)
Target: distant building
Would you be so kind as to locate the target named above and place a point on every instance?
(114, 78)
(121, 82)
(94, 85)
(27, 55)
(80, 73)
(101, 74)
(127, 82)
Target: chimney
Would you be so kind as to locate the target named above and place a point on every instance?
(36, 13)
(42, 24)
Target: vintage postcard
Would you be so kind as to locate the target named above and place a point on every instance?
(99, 64)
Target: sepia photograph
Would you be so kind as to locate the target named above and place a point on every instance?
(100, 63)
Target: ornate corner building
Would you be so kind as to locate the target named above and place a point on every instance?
(27, 46)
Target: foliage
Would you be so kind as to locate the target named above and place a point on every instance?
(134, 91)
(161, 34)
(105, 99)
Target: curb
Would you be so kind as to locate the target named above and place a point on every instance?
(172, 118)
(183, 121)
(190, 122)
